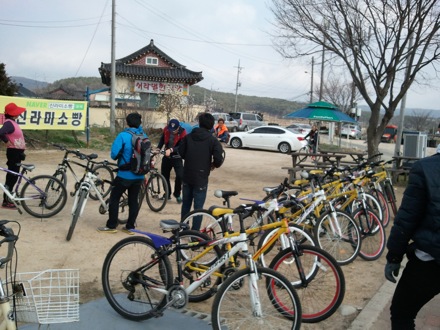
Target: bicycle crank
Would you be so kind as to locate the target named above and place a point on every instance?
(177, 297)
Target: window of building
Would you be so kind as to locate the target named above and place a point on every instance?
(152, 61)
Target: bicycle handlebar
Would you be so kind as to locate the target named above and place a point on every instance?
(10, 238)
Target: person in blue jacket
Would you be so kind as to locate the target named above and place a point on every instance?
(125, 180)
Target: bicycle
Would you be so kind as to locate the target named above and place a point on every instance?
(102, 170)
(41, 196)
(7, 312)
(155, 188)
(138, 282)
(89, 183)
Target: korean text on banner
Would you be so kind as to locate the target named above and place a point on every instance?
(47, 114)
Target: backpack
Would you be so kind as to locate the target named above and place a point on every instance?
(141, 157)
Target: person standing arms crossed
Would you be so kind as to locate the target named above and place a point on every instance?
(171, 138)
(418, 220)
(202, 153)
(12, 135)
(121, 151)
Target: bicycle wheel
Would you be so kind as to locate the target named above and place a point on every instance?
(124, 210)
(134, 277)
(195, 264)
(372, 203)
(318, 279)
(384, 206)
(156, 192)
(339, 236)
(302, 236)
(305, 149)
(104, 182)
(391, 196)
(81, 200)
(44, 196)
(279, 306)
(60, 174)
(205, 222)
(372, 234)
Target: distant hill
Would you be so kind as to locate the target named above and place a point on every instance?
(30, 84)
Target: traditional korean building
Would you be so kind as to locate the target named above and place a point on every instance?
(142, 76)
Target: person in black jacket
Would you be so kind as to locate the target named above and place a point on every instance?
(418, 220)
(202, 152)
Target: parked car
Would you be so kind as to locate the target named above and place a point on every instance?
(247, 121)
(268, 138)
(301, 128)
(352, 131)
(230, 122)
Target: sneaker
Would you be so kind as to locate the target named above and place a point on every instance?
(9, 206)
(179, 199)
(107, 230)
(127, 231)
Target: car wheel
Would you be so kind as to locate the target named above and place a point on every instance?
(284, 147)
(234, 129)
(236, 143)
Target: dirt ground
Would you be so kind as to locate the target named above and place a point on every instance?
(42, 244)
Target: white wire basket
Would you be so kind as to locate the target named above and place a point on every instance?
(50, 296)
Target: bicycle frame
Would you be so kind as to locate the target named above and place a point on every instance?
(13, 195)
(87, 184)
(241, 245)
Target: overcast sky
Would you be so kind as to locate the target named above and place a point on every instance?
(52, 39)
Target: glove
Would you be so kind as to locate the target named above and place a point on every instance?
(391, 270)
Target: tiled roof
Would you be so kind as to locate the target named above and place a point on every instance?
(147, 49)
(176, 73)
(140, 72)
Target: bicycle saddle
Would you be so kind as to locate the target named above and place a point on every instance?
(225, 193)
(172, 224)
(28, 167)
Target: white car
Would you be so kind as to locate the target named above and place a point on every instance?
(268, 138)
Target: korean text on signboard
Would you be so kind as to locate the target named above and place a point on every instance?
(141, 86)
(47, 114)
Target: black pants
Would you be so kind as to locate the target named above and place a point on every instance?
(168, 164)
(420, 282)
(120, 186)
(14, 157)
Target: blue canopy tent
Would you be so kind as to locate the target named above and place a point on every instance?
(322, 111)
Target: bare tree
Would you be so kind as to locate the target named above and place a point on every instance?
(340, 93)
(384, 45)
(420, 121)
(170, 102)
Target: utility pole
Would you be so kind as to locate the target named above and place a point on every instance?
(238, 83)
(403, 104)
(322, 74)
(113, 75)
(311, 80)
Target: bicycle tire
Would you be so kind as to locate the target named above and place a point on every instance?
(209, 286)
(124, 209)
(122, 279)
(43, 203)
(384, 205)
(209, 224)
(279, 302)
(391, 196)
(345, 247)
(156, 192)
(82, 196)
(372, 202)
(305, 149)
(60, 174)
(372, 234)
(323, 288)
(104, 182)
(302, 236)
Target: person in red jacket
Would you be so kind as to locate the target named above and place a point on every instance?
(171, 139)
(11, 134)
(221, 131)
